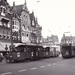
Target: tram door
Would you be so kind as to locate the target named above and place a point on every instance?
(34, 52)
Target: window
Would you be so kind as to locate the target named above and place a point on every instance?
(22, 34)
(3, 32)
(13, 27)
(8, 24)
(5, 24)
(1, 9)
(27, 35)
(4, 36)
(24, 15)
(13, 22)
(0, 23)
(8, 37)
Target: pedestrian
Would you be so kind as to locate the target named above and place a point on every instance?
(6, 47)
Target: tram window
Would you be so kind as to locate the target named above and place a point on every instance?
(44, 49)
(22, 49)
(38, 49)
(28, 49)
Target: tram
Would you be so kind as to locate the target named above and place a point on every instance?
(23, 52)
(51, 51)
(67, 50)
(55, 51)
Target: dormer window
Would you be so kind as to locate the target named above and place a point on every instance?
(2, 10)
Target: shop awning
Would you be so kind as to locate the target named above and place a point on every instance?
(2, 46)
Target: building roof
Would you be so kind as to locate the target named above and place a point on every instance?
(17, 9)
(4, 3)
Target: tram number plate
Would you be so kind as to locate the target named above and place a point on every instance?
(18, 54)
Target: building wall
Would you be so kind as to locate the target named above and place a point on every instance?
(21, 24)
(25, 27)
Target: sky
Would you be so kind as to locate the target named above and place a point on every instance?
(55, 16)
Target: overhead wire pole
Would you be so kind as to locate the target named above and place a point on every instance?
(11, 36)
(20, 30)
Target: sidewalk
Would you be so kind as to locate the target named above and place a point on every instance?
(3, 61)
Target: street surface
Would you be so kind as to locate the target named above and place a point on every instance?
(49, 66)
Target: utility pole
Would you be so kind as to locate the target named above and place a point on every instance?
(11, 36)
(11, 33)
(20, 29)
